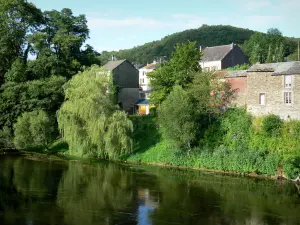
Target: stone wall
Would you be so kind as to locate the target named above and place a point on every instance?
(273, 87)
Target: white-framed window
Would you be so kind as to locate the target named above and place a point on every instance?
(141, 81)
(262, 98)
(213, 68)
(288, 97)
(288, 81)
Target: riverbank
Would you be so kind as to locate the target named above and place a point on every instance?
(235, 145)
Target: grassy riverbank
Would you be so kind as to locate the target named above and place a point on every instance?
(237, 143)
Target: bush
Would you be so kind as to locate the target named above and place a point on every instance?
(6, 138)
(34, 129)
(272, 125)
(153, 111)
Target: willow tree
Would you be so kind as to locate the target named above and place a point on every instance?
(89, 119)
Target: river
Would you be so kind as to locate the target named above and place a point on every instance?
(47, 192)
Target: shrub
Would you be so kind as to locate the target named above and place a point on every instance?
(34, 129)
(153, 111)
(6, 138)
(272, 125)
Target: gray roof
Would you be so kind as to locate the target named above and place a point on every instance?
(281, 68)
(111, 65)
(236, 73)
(215, 53)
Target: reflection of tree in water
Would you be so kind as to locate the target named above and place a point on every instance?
(196, 198)
(24, 186)
(184, 203)
(93, 194)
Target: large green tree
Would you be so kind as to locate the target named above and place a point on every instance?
(180, 70)
(89, 119)
(58, 45)
(177, 118)
(18, 18)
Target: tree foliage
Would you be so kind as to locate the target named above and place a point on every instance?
(18, 18)
(176, 116)
(17, 98)
(180, 70)
(267, 48)
(89, 119)
(34, 129)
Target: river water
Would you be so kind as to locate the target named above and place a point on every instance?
(82, 193)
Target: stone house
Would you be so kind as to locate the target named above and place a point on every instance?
(222, 57)
(274, 88)
(126, 78)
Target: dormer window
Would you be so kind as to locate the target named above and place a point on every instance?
(288, 81)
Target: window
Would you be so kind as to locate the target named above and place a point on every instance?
(141, 81)
(288, 81)
(206, 69)
(262, 98)
(214, 68)
(288, 97)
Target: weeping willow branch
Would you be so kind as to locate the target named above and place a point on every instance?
(89, 119)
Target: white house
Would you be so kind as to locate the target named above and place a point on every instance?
(221, 57)
(143, 79)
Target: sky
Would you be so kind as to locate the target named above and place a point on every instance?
(122, 24)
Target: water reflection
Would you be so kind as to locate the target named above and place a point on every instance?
(33, 192)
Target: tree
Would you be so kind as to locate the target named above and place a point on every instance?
(176, 116)
(18, 18)
(90, 121)
(58, 44)
(265, 47)
(34, 129)
(180, 70)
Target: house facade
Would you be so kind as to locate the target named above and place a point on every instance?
(126, 78)
(143, 105)
(263, 89)
(274, 88)
(222, 57)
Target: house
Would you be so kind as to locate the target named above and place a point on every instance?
(143, 79)
(222, 57)
(143, 105)
(274, 88)
(126, 78)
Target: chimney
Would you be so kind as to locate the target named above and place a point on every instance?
(113, 58)
(200, 48)
(232, 45)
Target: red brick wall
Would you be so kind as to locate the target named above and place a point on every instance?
(240, 85)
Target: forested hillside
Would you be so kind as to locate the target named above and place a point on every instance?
(204, 36)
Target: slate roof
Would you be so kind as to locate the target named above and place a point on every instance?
(282, 68)
(231, 73)
(215, 53)
(111, 65)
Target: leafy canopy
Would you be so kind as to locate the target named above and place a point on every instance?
(180, 70)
